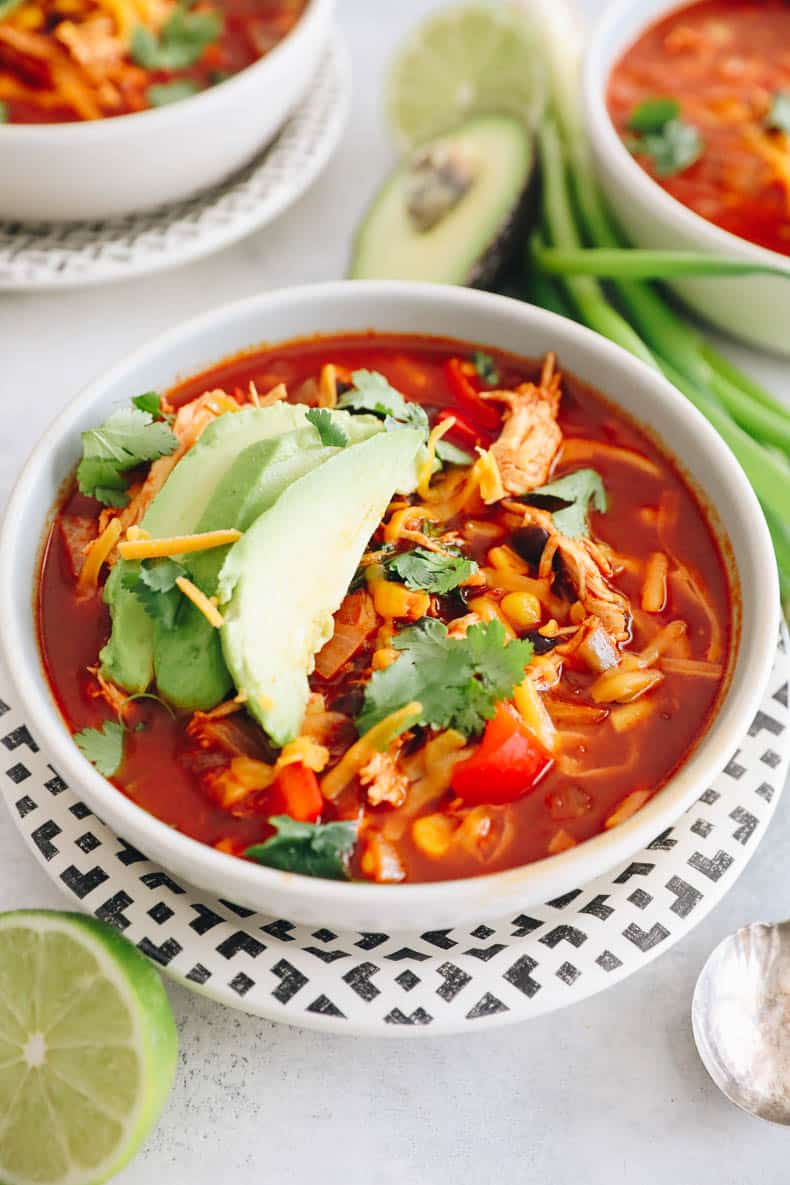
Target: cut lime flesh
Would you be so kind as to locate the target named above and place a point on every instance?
(88, 1049)
(478, 59)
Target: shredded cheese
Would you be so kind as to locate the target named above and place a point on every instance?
(327, 386)
(375, 740)
(306, 751)
(426, 467)
(276, 394)
(148, 549)
(97, 555)
(201, 602)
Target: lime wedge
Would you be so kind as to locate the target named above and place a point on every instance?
(479, 59)
(88, 1049)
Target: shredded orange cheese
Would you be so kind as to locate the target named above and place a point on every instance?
(489, 478)
(201, 602)
(276, 395)
(97, 555)
(327, 386)
(375, 740)
(147, 549)
(426, 467)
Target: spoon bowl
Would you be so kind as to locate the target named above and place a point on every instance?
(741, 1019)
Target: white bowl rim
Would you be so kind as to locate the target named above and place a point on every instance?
(248, 881)
(97, 129)
(596, 71)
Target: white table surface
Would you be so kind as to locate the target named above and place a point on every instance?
(609, 1091)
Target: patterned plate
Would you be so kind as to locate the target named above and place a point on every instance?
(67, 256)
(442, 981)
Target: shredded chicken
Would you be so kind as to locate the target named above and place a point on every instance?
(531, 437)
(383, 781)
(113, 696)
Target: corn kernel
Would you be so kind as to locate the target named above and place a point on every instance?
(522, 609)
(578, 612)
(384, 658)
(433, 834)
(395, 600)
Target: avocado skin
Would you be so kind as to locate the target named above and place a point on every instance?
(283, 581)
(127, 659)
(189, 666)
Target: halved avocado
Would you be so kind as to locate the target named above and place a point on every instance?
(450, 213)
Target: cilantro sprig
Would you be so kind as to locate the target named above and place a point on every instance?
(458, 681)
(486, 368)
(332, 433)
(672, 143)
(181, 42)
(130, 437)
(314, 849)
(153, 582)
(569, 499)
(161, 94)
(373, 394)
(430, 571)
(103, 746)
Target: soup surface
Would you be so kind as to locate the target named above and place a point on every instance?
(593, 620)
(67, 60)
(726, 154)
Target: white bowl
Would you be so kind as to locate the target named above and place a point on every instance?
(753, 308)
(111, 167)
(401, 308)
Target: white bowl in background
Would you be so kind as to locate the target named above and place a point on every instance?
(394, 307)
(107, 168)
(753, 308)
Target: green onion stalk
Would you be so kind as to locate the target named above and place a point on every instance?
(578, 246)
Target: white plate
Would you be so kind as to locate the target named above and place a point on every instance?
(76, 254)
(445, 981)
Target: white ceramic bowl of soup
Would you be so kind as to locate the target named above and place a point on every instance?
(108, 168)
(755, 309)
(393, 307)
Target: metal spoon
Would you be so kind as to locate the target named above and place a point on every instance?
(741, 1019)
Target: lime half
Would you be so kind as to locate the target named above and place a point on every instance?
(88, 1049)
(478, 59)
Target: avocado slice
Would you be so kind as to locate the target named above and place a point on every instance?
(128, 657)
(451, 213)
(281, 582)
(189, 665)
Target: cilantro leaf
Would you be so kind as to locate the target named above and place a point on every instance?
(372, 393)
(332, 434)
(163, 93)
(314, 849)
(153, 582)
(486, 367)
(578, 492)
(653, 115)
(181, 41)
(3, 112)
(778, 118)
(150, 401)
(674, 148)
(458, 681)
(102, 746)
(430, 570)
(127, 439)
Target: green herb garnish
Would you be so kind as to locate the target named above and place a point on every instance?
(314, 849)
(486, 368)
(458, 681)
(429, 570)
(181, 42)
(102, 746)
(372, 393)
(153, 582)
(332, 434)
(163, 93)
(672, 143)
(150, 401)
(577, 492)
(128, 438)
(778, 118)
(3, 112)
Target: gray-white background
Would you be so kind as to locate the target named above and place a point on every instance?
(607, 1092)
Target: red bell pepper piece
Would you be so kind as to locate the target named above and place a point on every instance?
(298, 787)
(507, 764)
(462, 433)
(466, 395)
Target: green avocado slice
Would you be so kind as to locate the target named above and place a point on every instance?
(281, 583)
(128, 657)
(450, 213)
(189, 665)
